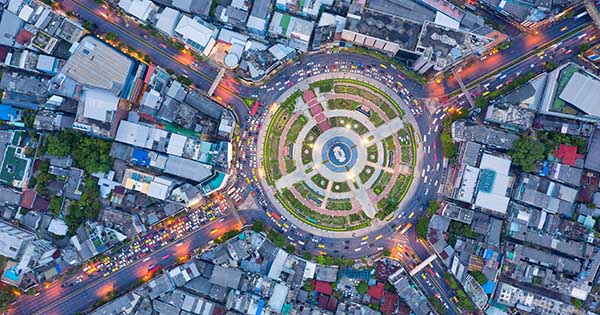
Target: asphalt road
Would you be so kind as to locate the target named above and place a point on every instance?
(56, 299)
(70, 300)
(161, 52)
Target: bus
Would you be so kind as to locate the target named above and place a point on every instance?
(580, 15)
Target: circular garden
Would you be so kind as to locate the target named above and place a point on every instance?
(338, 154)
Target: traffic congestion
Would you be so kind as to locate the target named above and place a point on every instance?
(162, 234)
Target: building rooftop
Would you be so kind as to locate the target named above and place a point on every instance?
(591, 161)
(226, 277)
(583, 92)
(188, 169)
(140, 9)
(99, 104)
(510, 116)
(167, 21)
(375, 25)
(494, 183)
(463, 131)
(96, 64)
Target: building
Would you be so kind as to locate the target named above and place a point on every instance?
(297, 31)
(510, 117)
(147, 184)
(545, 194)
(310, 8)
(494, 184)
(233, 13)
(25, 252)
(571, 92)
(490, 137)
(426, 34)
(258, 21)
(531, 302)
(328, 31)
(168, 20)
(140, 9)
(15, 165)
(13, 240)
(96, 112)
(94, 63)
(197, 34)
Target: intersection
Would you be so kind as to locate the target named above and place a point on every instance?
(341, 152)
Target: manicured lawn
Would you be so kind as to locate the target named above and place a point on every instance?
(381, 182)
(294, 130)
(340, 103)
(366, 173)
(372, 153)
(339, 204)
(340, 187)
(376, 119)
(320, 181)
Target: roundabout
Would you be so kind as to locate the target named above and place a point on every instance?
(338, 155)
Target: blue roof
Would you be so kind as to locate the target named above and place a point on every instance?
(140, 157)
(7, 113)
(488, 287)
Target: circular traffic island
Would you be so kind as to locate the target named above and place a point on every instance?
(337, 154)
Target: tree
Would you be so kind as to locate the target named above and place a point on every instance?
(92, 154)
(362, 287)
(309, 285)
(481, 102)
(325, 260)
(184, 80)
(57, 147)
(577, 302)
(55, 204)
(7, 296)
(276, 238)
(448, 146)
(583, 47)
(258, 226)
(386, 252)
(433, 207)
(290, 249)
(526, 152)
(422, 227)
(307, 255)
(549, 66)
(112, 37)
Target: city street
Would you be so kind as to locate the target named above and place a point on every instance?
(82, 289)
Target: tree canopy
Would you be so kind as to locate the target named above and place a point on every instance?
(362, 287)
(526, 152)
(90, 154)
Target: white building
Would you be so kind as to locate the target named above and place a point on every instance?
(140, 9)
(167, 21)
(198, 34)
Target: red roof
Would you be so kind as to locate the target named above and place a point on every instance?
(323, 287)
(376, 291)
(24, 36)
(41, 204)
(331, 304)
(390, 303)
(3, 52)
(28, 199)
(322, 301)
(568, 154)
